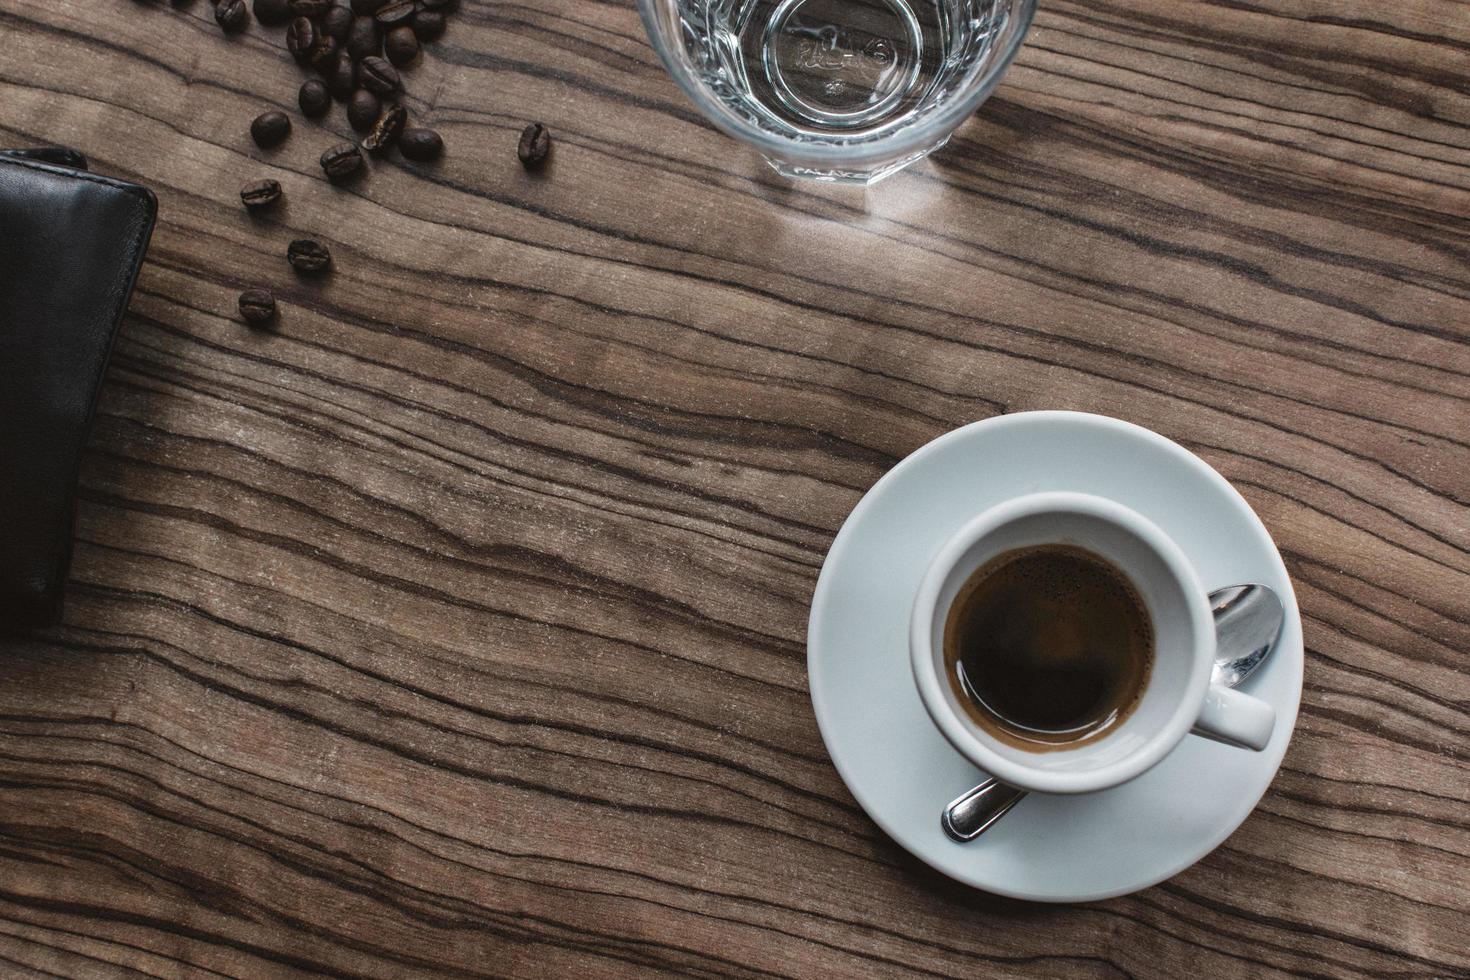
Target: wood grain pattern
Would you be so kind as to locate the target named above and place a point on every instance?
(457, 627)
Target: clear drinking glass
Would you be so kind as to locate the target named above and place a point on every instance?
(841, 90)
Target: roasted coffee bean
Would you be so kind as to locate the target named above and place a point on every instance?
(386, 130)
(261, 194)
(307, 43)
(366, 8)
(534, 145)
(270, 129)
(435, 5)
(401, 45)
(308, 256)
(323, 51)
(337, 22)
(257, 306)
(394, 13)
(342, 161)
(363, 109)
(420, 144)
(340, 73)
(301, 38)
(309, 8)
(364, 40)
(377, 76)
(428, 25)
(272, 13)
(314, 98)
(231, 15)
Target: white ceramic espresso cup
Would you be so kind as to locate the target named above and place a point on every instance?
(1178, 697)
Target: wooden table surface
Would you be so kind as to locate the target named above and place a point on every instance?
(457, 625)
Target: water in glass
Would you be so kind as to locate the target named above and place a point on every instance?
(838, 71)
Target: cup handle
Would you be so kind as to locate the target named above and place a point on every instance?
(1235, 719)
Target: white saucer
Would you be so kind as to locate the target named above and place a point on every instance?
(893, 759)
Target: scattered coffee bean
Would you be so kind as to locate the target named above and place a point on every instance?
(436, 4)
(401, 45)
(363, 109)
(340, 73)
(364, 40)
(308, 256)
(386, 130)
(306, 42)
(428, 25)
(314, 98)
(337, 22)
(301, 38)
(394, 13)
(309, 8)
(366, 8)
(323, 51)
(261, 194)
(272, 13)
(342, 161)
(378, 77)
(231, 15)
(420, 144)
(535, 144)
(270, 129)
(257, 306)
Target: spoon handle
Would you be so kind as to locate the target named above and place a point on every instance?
(967, 817)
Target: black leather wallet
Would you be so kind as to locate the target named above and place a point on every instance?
(71, 243)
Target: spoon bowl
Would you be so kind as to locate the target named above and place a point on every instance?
(1248, 620)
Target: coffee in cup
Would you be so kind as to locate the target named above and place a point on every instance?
(1048, 647)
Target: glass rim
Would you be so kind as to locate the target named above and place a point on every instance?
(900, 143)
